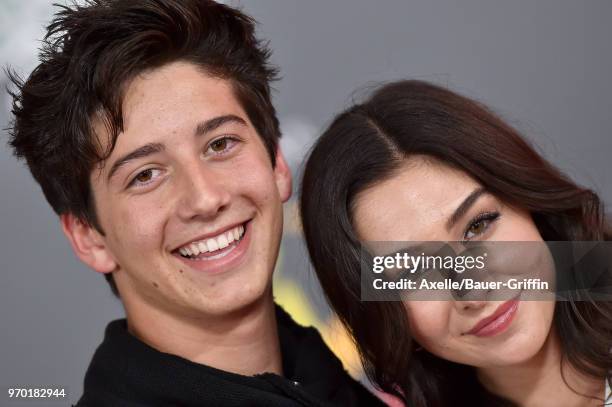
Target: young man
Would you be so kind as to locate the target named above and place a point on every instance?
(149, 126)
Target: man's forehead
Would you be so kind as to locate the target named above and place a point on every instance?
(150, 97)
(179, 79)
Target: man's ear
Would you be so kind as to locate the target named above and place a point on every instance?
(282, 173)
(88, 244)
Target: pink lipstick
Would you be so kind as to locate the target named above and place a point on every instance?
(498, 321)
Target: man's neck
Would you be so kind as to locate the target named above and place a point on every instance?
(244, 342)
(539, 382)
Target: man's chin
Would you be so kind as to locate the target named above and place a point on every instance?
(235, 301)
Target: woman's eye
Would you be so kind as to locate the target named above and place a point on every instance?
(222, 145)
(480, 224)
(144, 177)
(478, 227)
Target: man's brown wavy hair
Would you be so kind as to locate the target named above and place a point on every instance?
(90, 53)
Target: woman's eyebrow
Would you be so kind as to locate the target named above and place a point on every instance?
(465, 206)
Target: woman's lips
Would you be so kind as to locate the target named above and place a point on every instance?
(498, 321)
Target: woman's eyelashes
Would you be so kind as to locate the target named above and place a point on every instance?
(480, 224)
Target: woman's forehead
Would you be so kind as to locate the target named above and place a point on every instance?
(421, 194)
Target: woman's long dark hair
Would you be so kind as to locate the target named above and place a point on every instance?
(367, 143)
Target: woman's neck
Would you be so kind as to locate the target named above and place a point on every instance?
(540, 382)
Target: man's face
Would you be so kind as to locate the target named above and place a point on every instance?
(193, 216)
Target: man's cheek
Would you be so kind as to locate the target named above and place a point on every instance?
(136, 234)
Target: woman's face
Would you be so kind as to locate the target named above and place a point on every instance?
(416, 204)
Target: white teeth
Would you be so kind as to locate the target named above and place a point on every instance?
(214, 243)
(222, 241)
(202, 247)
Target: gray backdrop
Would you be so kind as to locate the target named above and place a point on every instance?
(543, 65)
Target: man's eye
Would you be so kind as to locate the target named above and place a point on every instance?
(480, 224)
(222, 145)
(219, 145)
(144, 177)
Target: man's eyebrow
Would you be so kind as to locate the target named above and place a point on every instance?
(140, 152)
(465, 206)
(216, 122)
(152, 148)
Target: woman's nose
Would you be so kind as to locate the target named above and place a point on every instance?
(470, 305)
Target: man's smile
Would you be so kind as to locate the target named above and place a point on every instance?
(212, 245)
(219, 252)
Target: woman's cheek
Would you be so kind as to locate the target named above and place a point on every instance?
(429, 322)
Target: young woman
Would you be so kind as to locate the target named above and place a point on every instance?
(417, 162)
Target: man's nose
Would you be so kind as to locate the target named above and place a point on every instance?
(203, 194)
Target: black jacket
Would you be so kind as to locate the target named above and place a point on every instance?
(126, 372)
